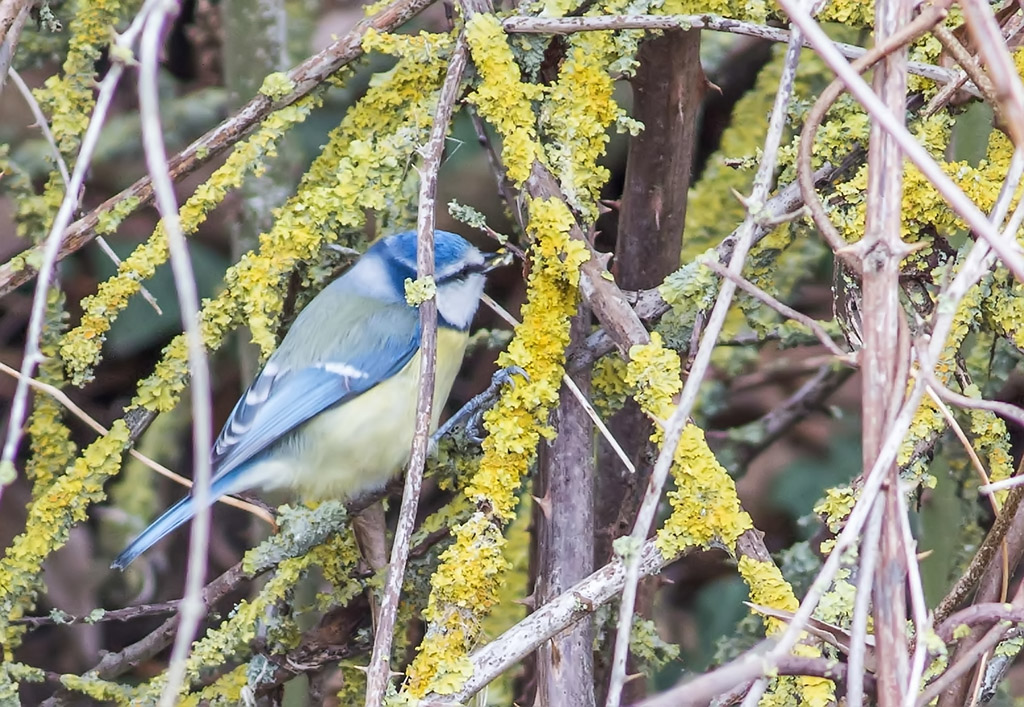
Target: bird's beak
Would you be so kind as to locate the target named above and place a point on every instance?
(500, 259)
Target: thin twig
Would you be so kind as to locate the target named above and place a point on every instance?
(304, 79)
(41, 123)
(674, 426)
(59, 395)
(505, 187)
(955, 197)
(567, 25)
(1010, 412)
(994, 540)
(958, 431)
(995, 486)
(969, 659)
(979, 615)
(807, 399)
(945, 94)
(967, 62)
(13, 16)
(378, 672)
(191, 607)
(862, 606)
(918, 603)
(128, 613)
(51, 248)
(703, 689)
(44, 128)
(1009, 91)
(783, 309)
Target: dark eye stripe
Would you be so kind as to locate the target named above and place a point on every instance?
(467, 269)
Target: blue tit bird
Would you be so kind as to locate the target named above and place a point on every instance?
(332, 413)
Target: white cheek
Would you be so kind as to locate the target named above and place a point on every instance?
(457, 301)
(370, 278)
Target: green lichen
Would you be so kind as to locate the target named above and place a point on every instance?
(420, 290)
(688, 291)
(108, 220)
(277, 85)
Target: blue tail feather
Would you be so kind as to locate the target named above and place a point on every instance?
(177, 514)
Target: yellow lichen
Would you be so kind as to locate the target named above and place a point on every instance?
(80, 349)
(502, 98)
(704, 503)
(465, 585)
(50, 518)
(69, 99)
(575, 115)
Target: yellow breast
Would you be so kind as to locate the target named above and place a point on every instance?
(358, 446)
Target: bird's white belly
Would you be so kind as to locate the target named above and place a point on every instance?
(362, 443)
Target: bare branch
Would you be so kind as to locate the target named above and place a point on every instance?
(567, 25)
(563, 525)
(885, 361)
(674, 426)
(703, 689)
(783, 309)
(191, 607)
(379, 669)
(583, 598)
(13, 15)
(62, 167)
(969, 659)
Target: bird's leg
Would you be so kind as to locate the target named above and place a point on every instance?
(473, 411)
(370, 528)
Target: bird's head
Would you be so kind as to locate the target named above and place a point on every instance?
(459, 270)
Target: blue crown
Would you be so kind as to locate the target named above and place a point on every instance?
(448, 248)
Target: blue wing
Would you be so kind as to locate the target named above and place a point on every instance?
(340, 346)
(284, 395)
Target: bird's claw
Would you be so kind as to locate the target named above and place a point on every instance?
(473, 411)
(503, 376)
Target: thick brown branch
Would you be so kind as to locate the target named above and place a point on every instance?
(884, 360)
(668, 90)
(564, 525)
